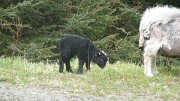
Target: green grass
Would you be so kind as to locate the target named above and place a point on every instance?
(115, 79)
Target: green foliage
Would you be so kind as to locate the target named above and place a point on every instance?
(32, 28)
(41, 49)
(90, 19)
(118, 48)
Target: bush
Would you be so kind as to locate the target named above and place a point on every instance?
(120, 49)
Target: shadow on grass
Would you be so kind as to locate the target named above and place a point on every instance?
(4, 80)
(7, 80)
(170, 71)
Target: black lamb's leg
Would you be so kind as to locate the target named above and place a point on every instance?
(61, 65)
(88, 65)
(80, 69)
(68, 66)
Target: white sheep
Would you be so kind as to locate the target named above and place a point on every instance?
(159, 31)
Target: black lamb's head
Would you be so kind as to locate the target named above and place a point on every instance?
(100, 58)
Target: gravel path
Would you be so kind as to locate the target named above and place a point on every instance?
(9, 92)
(35, 93)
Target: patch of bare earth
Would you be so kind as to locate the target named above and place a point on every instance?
(18, 92)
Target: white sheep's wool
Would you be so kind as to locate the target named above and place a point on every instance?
(159, 30)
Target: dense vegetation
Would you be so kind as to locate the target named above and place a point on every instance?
(31, 28)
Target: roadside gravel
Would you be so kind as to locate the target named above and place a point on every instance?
(19, 92)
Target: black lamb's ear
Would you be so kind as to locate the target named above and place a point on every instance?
(97, 54)
(104, 53)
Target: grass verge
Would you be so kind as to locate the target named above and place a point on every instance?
(115, 79)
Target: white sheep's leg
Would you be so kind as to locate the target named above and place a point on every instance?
(155, 71)
(150, 59)
(148, 65)
(146, 59)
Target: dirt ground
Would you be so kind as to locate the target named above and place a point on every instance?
(19, 92)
